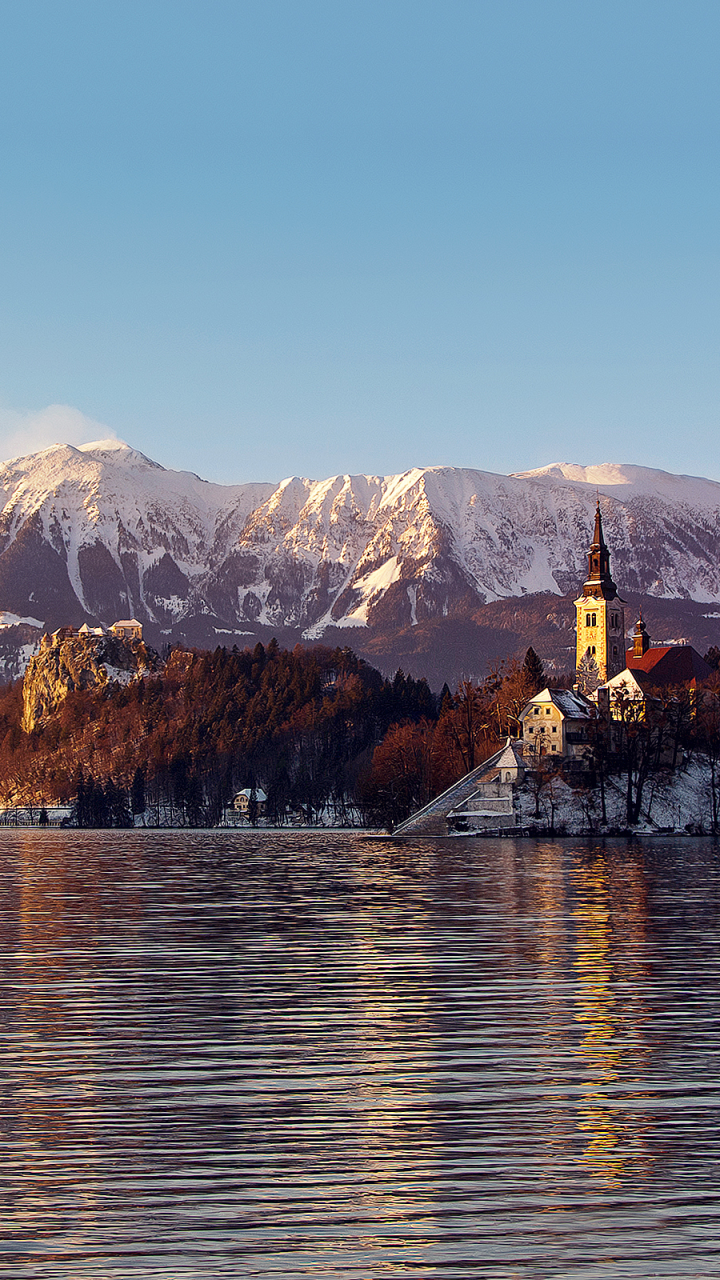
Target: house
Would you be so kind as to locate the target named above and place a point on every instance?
(64, 633)
(241, 802)
(85, 630)
(557, 722)
(127, 629)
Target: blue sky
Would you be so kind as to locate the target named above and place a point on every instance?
(301, 237)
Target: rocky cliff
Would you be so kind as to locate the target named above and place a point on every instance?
(79, 662)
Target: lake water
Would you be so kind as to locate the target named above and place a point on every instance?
(244, 1055)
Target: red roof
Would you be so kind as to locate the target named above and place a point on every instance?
(666, 664)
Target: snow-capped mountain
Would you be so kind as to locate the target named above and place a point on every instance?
(101, 531)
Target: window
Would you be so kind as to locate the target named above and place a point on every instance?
(554, 728)
(553, 747)
(592, 648)
(594, 619)
(537, 711)
(530, 728)
(614, 651)
(547, 711)
(587, 619)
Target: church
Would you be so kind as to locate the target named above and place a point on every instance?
(559, 722)
(602, 661)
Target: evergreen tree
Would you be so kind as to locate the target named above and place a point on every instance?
(445, 701)
(137, 791)
(588, 674)
(535, 672)
(253, 807)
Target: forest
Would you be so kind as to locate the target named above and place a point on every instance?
(321, 732)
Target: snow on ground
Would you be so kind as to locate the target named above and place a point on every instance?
(679, 798)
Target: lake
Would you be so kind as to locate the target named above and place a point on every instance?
(321, 1055)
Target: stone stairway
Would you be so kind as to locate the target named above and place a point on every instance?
(430, 820)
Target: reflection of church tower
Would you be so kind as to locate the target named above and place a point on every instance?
(600, 616)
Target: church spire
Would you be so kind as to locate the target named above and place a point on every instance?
(598, 540)
(599, 581)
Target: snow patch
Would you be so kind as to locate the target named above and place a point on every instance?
(12, 620)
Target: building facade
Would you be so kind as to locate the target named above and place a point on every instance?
(557, 722)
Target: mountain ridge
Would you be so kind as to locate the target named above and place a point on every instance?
(97, 531)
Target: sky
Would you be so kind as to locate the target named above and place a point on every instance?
(257, 238)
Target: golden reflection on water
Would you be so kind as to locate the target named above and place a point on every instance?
(610, 913)
(394, 1043)
(549, 908)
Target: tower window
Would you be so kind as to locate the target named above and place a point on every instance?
(594, 619)
(592, 648)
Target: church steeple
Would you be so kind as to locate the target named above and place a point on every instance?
(599, 582)
(600, 651)
(641, 639)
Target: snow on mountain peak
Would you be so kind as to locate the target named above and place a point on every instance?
(102, 529)
(105, 446)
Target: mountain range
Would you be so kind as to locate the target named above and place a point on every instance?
(440, 569)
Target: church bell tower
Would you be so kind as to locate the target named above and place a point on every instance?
(600, 617)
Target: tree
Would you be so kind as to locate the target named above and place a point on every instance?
(253, 808)
(511, 690)
(540, 778)
(137, 791)
(712, 657)
(401, 776)
(534, 672)
(445, 700)
(469, 723)
(639, 733)
(588, 674)
(707, 737)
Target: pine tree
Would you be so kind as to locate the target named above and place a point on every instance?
(445, 700)
(588, 674)
(535, 672)
(137, 791)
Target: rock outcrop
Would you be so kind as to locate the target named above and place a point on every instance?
(79, 662)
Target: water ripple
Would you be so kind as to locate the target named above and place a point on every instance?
(317, 1055)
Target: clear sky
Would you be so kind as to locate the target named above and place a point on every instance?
(257, 238)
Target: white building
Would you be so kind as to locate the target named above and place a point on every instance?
(556, 722)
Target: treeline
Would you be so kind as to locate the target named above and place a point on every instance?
(318, 730)
(300, 724)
